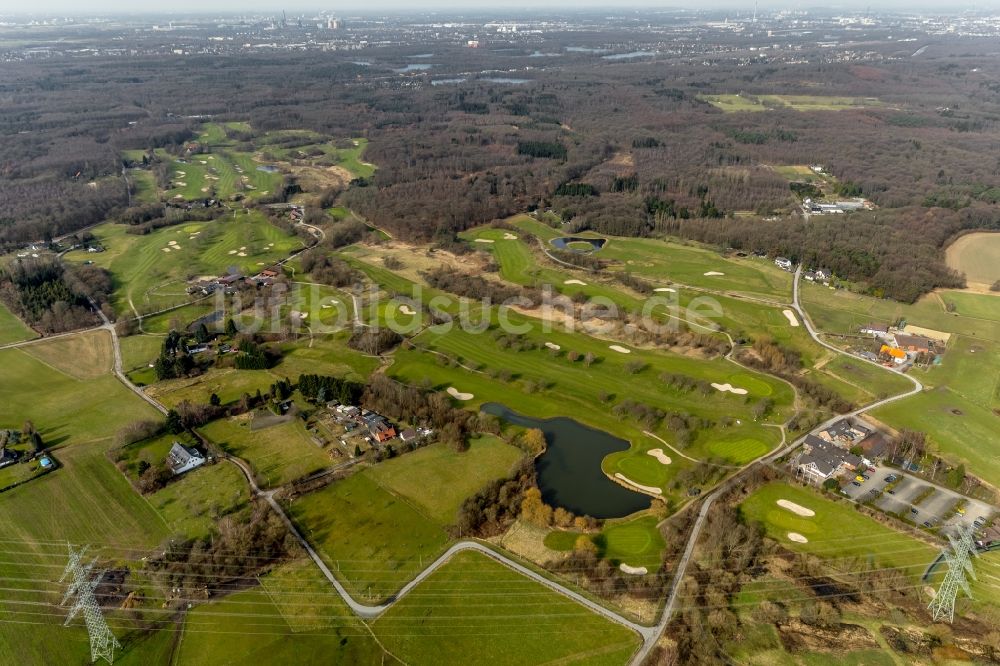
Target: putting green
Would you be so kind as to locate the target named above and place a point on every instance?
(754, 386)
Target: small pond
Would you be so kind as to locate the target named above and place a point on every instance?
(630, 56)
(567, 243)
(504, 79)
(268, 168)
(569, 472)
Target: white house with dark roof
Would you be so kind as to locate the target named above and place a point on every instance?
(183, 459)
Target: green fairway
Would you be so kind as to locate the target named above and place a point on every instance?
(13, 329)
(572, 388)
(475, 610)
(278, 454)
(837, 532)
(151, 271)
(636, 542)
(743, 102)
(437, 479)
(374, 541)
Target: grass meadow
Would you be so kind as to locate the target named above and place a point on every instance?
(355, 523)
(740, 102)
(474, 609)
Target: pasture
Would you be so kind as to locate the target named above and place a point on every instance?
(837, 532)
(456, 616)
(437, 479)
(278, 454)
(83, 356)
(976, 255)
(292, 617)
(13, 329)
(354, 524)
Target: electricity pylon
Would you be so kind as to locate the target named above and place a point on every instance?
(82, 586)
(943, 604)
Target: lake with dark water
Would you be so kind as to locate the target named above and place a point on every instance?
(569, 472)
(564, 243)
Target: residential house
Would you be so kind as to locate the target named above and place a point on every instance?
(408, 435)
(783, 263)
(183, 459)
(844, 433)
(8, 457)
(898, 356)
(875, 330)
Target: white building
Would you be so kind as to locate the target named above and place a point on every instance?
(182, 459)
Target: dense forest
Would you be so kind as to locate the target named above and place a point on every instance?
(630, 148)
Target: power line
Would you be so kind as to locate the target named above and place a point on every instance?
(943, 604)
(82, 586)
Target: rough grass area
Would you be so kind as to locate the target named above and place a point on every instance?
(837, 533)
(475, 610)
(437, 479)
(83, 356)
(978, 257)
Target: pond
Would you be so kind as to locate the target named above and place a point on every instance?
(571, 242)
(505, 79)
(630, 56)
(268, 168)
(569, 472)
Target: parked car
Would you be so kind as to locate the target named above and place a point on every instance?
(872, 470)
(890, 478)
(913, 510)
(865, 477)
(855, 483)
(859, 478)
(927, 523)
(891, 492)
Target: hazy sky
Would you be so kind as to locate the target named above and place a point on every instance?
(79, 7)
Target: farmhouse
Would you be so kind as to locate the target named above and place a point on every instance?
(183, 459)
(875, 330)
(898, 356)
(916, 344)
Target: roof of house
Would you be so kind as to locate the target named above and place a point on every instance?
(409, 433)
(180, 456)
(893, 351)
(875, 327)
(913, 341)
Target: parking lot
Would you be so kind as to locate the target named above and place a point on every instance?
(934, 509)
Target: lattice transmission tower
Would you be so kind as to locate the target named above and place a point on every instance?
(82, 586)
(943, 604)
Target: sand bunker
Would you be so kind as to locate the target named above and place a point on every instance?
(730, 388)
(243, 247)
(648, 489)
(552, 345)
(790, 316)
(173, 242)
(670, 289)
(407, 310)
(204, 189)
(180, 174)
(484, 240)
(231, 252)
(797, 509)
(509, 236)
(180, 184)
(579, 282)
(620, 349)
(797, 538)
(241, 254)
(713, 273)
(166, 249)
(633, 571)
(659, 455)
(458, 395)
